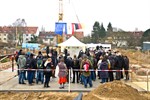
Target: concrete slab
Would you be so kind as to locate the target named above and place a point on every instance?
(9, 82)
(144, 85)
(12, 85)
(7, 74)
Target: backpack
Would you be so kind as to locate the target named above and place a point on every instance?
(28, 62)
(92, 60)
(75, 63)
(39, 63)
(86, 66)
(112, 62)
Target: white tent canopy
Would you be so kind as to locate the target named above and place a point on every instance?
(73, 45)
(72, 41)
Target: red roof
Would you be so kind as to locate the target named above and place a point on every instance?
(10, 29)
(31, 30)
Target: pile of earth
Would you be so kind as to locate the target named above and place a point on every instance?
(114, 91)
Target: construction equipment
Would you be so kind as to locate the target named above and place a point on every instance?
(60, 10)
(60, 19)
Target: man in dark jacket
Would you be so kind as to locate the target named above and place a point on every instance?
(31, 69)
(76, 67)
(126, 66)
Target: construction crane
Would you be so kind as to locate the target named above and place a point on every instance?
(60, 10)
(60, 19)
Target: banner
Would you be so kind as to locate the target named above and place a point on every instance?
(60, 28)
(76, 26)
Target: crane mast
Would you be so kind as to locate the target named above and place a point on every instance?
(60, 10)
(60, 19)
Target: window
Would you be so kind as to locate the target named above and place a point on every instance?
(26, 34)
(4, 38)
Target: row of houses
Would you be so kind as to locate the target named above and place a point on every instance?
(45, 37)
(8, 35)
(124, 39)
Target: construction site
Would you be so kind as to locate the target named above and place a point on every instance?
(137, 88)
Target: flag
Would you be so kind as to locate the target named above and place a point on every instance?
(60, 28)
(72, 28)
(76, 26)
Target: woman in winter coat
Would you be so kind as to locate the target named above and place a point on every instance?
(62, 73)
(104, 74)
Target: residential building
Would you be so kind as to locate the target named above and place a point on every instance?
(4, 32)
(7, 32)
(28, 32)
(50, 38)
(3, 37)
(123, 39)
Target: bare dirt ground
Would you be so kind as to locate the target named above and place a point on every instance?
(37, 96)
(109, 91)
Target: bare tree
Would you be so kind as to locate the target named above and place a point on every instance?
(20, 25)
(11, 35)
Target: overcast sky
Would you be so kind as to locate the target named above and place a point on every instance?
(124, 14)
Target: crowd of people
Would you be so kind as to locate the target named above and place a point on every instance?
(86, 67)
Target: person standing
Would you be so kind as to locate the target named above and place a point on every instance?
(76, 67)
(98, 65)
(40, 67)
(16, 59)
(48, 72)
(126, 66)
(104, 74)
(62, 73)
(31, 69)
(21, 63)
(86, 65)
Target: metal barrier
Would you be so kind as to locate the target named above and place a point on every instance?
(148, 80)
(141, 77)
(12, 61)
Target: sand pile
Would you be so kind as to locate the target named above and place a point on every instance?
(114, 91)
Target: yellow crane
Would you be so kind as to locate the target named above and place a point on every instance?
(60, 10)
(60, 18)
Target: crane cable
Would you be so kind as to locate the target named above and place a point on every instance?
(75, 11)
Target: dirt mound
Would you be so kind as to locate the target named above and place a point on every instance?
(114, 91)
